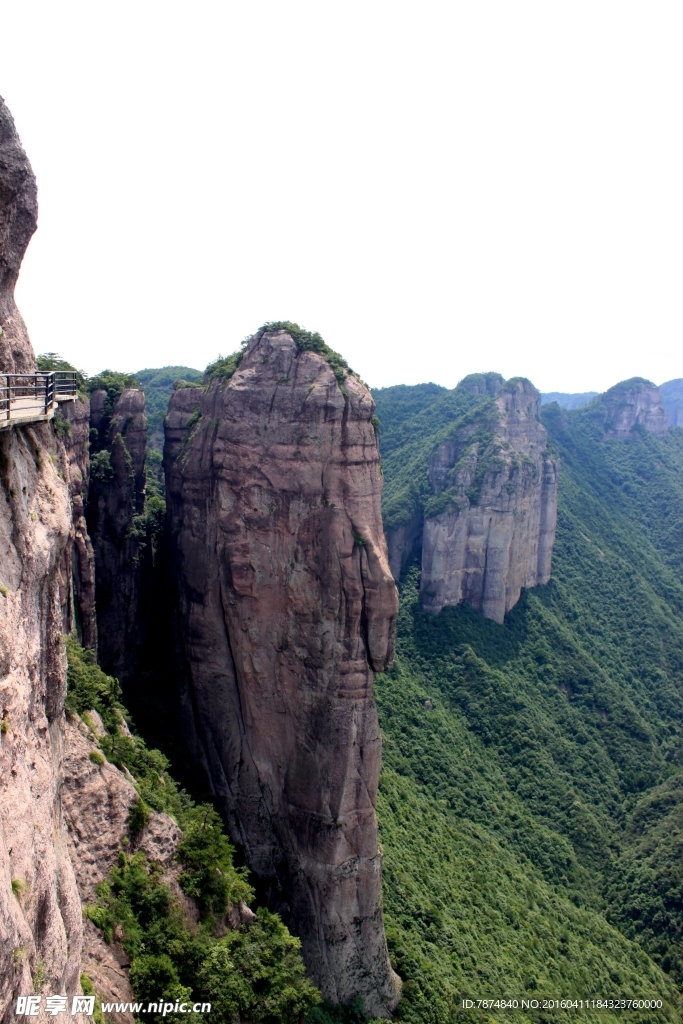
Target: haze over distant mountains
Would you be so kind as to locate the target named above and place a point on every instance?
(671, 392)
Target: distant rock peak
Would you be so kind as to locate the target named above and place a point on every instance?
(490, 527)
(631, 404)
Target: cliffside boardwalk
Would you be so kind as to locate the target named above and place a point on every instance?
(34, 397)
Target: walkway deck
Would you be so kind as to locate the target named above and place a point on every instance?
(34, 397)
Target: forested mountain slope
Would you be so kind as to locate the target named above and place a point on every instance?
(530, 807)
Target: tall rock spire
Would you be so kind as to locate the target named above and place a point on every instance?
(286, 607)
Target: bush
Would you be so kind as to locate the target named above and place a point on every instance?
(209, 876)
(168, 958)
(257, 975)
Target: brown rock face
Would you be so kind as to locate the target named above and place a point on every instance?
(117, 495)
(631, 404)
(18, 213)
(489, 530)
(40, 914)
(287, 605)
(43, 920)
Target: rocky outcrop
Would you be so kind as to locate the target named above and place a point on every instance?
(633, 404)
(41, 929)
(115, 507)
(18, 219)
(286, 608)
(489, 528)
(672, 400)
(40, 911)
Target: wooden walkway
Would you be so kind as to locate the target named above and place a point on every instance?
(34, 397)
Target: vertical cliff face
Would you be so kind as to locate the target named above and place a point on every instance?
(489, 528)
(40, 913)
(18, 213)
(117, 496)
(672, 400)
(41, 930)
(633, 404)
(286, 607)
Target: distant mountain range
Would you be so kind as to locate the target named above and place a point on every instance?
(568, 401)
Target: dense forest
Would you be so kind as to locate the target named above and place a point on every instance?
(531, 798)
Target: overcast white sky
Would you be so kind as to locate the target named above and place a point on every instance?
(436, 187)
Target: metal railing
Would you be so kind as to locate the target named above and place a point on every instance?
(27, 397)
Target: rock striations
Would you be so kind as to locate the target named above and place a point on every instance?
(490, 527)
(62, 817)
(41, 928)
(672, 400)
(18, 218)
(633, 404)
(286, 608)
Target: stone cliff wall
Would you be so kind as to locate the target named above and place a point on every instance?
(490, 527)
(632, 404)
(18, 213)
(286, 607)
(40, 915)
(46, 588)
(672, 400)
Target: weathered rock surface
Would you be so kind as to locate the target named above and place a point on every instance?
(117, 496)
(489, 530)
(631, 404)
(18, 219)
(46, 573)
(672, 400)
(42, 922)
(40, 914)
(287, 606)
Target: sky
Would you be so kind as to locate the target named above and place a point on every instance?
(438, 188)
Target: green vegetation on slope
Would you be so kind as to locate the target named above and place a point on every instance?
(549, 758)
(252, 974)
(407, 443)
(158, 384)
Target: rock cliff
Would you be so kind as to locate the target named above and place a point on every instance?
(46, 588)
(115, 507)
(672, 400)
(18, 213)
(632, 404)
(286, 608)
(489, 527)
(41, 931)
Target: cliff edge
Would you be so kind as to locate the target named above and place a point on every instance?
(18, 221)
(286, 608)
